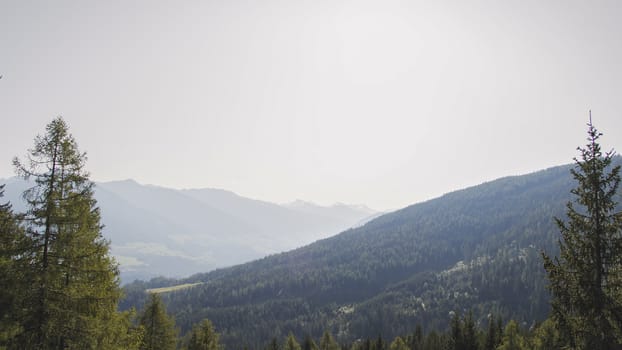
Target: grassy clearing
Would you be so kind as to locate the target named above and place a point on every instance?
(172, 288)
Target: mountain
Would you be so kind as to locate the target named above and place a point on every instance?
(336, 211)
(476, 249)
(161, 231)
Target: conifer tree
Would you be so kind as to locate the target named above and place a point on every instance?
(417, 342)
(203, 337)
(492, 336)
(74, 281)
(379, 344)
(434, 341)
(328, 342)
(463, 334)
(160, 332)
(398, 344)
(11, 273)
(469, 333)
(291, 343)
(585, 280)
(512, 339)
(546, 336)
(273, 345)
(309, 344)
(456, 337)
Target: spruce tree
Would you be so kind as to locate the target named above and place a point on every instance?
(203, 337)
(159, 327)
(74, 281)
(585, 280)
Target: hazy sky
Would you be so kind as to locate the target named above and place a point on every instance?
(385, 103)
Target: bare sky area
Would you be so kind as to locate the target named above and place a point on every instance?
(385, 103)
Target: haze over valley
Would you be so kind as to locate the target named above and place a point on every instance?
(157, 231)
(304, 175)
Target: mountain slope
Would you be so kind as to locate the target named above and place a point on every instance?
(160, 231)
(475, 249)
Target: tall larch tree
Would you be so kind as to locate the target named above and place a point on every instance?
(585, 280)
(74, 280)
(12, 276)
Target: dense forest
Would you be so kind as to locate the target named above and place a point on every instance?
(477, 249)
(481, 268)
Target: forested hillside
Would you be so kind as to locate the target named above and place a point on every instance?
(476, 249)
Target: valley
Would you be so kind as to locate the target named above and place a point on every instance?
(476, 249)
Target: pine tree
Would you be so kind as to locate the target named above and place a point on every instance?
(309, 344)
(74, 281)
(160, 332)
(418, 337)
(123, 334)
(546, 336)
(512, 339)
(291, 343)
(434, 341)
(328, 342)
(456, 338)
(415, 340)
(469, 333)
(11, 273)
(585, 280)
(463, 333)
(491, 342)
(379, 344)
(203, 337)
(273, 345)
(398, 344)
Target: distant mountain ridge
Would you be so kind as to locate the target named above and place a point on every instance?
(476, 249)
(161, 231)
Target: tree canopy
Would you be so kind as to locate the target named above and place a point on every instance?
(160, 332)
(585, 280)
(67, 286)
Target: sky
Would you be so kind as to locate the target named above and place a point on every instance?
(384, 103)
